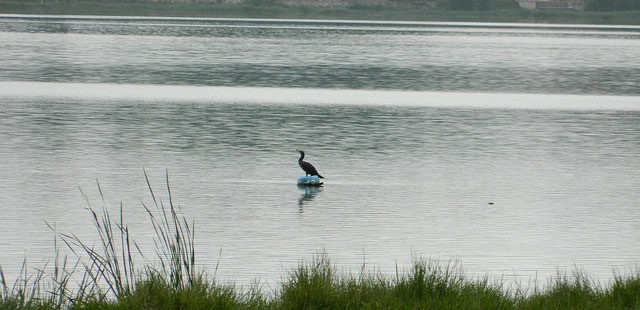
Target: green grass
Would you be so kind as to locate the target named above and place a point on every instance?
(110, 279)
(85, 7)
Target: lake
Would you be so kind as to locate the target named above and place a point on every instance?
(510, 148)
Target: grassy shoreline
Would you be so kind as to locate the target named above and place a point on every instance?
(111, 278)
(317, 284)
(83, 7)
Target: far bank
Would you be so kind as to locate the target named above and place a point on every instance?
(352, 13)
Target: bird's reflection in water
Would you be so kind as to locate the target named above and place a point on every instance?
(308, 194)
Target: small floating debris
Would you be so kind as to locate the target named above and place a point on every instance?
(490, 203)
(310, 180)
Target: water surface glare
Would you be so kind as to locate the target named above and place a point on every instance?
(512, 148)
(304, 96)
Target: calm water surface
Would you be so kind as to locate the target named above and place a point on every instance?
(512, 148)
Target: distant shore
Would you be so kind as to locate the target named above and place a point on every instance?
(355, 13)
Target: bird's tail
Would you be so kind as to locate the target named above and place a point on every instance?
(320, 176)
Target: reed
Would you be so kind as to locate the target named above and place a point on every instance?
(110, 268)
(175, 241)
(106, 276)
(42, 288)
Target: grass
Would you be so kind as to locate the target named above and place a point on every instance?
(106, 276)
(88, 7)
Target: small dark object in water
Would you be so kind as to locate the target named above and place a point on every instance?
(490, 203)
(308, 168)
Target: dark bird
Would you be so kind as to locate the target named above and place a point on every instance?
(308, 168)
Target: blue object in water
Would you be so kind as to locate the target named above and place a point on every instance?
(310, 180)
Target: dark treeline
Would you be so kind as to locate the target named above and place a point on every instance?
(612, 5)
(609, 12)
(590, 5)
(460, 5)
(481, 5)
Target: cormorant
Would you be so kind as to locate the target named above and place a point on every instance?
(308, 168)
